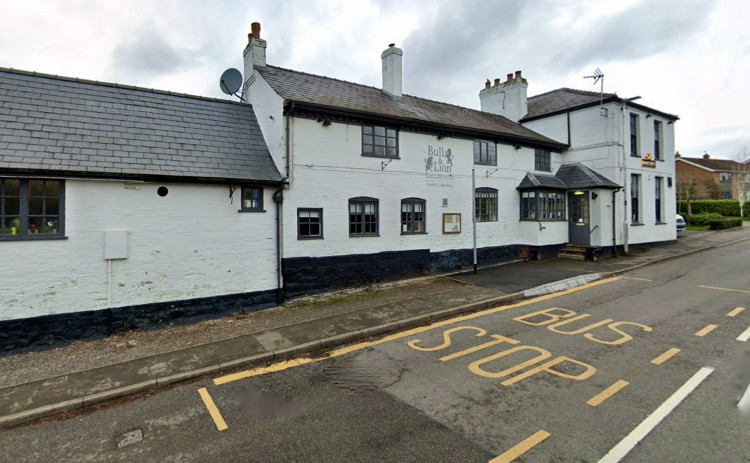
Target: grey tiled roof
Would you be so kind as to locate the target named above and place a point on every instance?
(564, 99)
(70, 126)
(578, 175)
(532, 181)
(328, 93)
(560, 99)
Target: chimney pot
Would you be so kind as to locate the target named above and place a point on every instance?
(677, 155)
(706, 156)
(487, 84)
(510, 77)
(255, 28)
(497, 82)
(518, 74)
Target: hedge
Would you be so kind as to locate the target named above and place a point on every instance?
(727, 222)
(725, 207)
(702, 219)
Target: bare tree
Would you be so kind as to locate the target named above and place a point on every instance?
(687, 189)
(741, 157)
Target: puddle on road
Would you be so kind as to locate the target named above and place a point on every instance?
(359, 373)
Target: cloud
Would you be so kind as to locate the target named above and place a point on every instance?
(148, 55)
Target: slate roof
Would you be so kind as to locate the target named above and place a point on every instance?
(532, 181)
(718, 165)
(578, 176)
(564, 99)
(328, 93)
(83, 128)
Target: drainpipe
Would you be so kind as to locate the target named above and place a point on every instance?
(614, 223)
(288, 142)
(278, 199)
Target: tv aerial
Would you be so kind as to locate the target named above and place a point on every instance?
(230, 82)
(598, 76)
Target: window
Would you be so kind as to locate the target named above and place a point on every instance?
(634, 135)
(412, 215)
(484, 153)
(657, 140)
(658, 185)
(31, 208)
(635, 185)
(309, 223)
(252, 199)
(542, 160)
(542, 205)
(363, 217)
(486, 205)
(726, 195)
(725, 177)
(379, 141)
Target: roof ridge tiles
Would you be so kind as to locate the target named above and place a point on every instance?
(573, 90)
(115, 85)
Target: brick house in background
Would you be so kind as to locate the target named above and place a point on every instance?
(706, 178)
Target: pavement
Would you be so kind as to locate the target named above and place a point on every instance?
(491, 287)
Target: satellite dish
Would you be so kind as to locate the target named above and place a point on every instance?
(230, 81)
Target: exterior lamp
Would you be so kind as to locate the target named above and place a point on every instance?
(578, 193)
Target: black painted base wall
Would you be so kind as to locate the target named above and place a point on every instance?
(56, 330)
(310, 275)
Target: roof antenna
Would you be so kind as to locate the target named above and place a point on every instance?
(599, 77)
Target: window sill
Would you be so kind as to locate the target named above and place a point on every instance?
(485, 165)
(413, 233)
(251, 210)
(543, 170)
(32, 238)
(660, 223)
(370, 235)
(302, 238)
(379, 157)
(637, 224)
(486, 221)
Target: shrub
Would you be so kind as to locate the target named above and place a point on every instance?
(725, 207)
(726, 222)
(702, 219)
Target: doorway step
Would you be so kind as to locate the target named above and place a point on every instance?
(573, 251)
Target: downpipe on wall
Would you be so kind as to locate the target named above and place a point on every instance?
(278, 199)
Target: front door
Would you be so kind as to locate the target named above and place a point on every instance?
(578, 218)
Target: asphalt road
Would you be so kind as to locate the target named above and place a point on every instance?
(570, 384)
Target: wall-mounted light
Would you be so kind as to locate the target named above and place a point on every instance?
(648, 115)
(579, 193)
(518, 147)
(594, 195)
(670, 122)
(325, 122)
(440, 136)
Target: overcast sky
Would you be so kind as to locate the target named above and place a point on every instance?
(685, 57)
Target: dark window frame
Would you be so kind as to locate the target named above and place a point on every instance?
(634, 129)
(370, 149)
(483, 205)
(24, 215)
(412, 221)
(635, 193)
(363, 201)
(542, 160)
(259, 199)
(486, 149)
(658, 199)
(309, 236)
(543, 203)
(658, 137)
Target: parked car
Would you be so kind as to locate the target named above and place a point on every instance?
(680, 225)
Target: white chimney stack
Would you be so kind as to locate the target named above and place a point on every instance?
(392, 70)
(507, 98)
(255, 52)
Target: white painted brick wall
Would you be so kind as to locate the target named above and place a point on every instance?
(191, 243)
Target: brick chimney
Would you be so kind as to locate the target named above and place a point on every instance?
(392, 79)
(507, 98)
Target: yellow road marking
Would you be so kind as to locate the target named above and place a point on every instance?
(522, 447)
(404, 334)
(607, 393)
(637, 279)
(706, 330)
(666, 356)
(725, 289)
(736, 311)
(212, 410)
